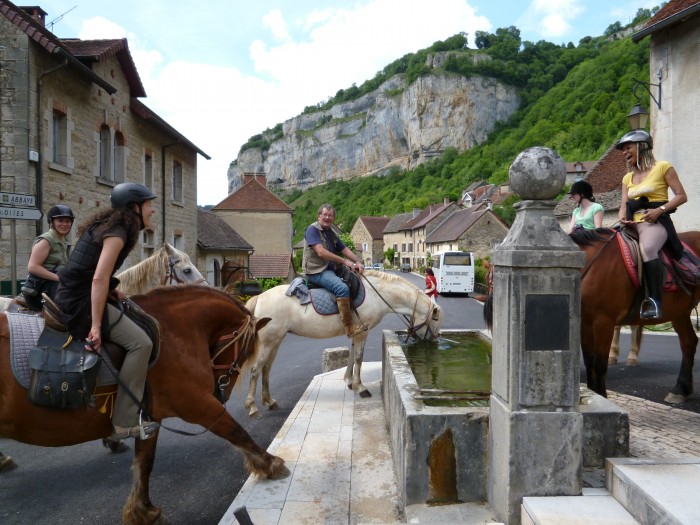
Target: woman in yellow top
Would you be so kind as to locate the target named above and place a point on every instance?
(646, 207)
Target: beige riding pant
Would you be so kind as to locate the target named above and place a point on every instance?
(138, 346)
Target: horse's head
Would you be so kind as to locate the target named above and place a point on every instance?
(427, 319)
(180, 268)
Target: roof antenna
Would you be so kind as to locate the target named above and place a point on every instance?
(59, 18)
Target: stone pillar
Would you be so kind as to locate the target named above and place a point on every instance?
(535, 424)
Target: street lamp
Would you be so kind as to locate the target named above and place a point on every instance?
(639, 115)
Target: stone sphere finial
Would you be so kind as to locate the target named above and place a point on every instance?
(537, 174)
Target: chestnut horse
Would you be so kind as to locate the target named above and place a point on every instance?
(607, 297)
(206, 337)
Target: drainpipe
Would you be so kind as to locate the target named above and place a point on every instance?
(39, 165)
(162, 182)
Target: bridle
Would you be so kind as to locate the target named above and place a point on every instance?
(223, 372)
(171, 275)
(411, 327)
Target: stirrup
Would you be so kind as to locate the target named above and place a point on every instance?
(650, 309)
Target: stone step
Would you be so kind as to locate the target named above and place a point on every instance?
(657, 490)
(594, 507)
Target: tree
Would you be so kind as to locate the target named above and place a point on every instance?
(389, 255)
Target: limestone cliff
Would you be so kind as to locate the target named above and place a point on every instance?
(396, 125)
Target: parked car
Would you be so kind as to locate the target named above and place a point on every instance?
(378, 267)
(405, 267)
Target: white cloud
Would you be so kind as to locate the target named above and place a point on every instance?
(550, 18)
(276, 23)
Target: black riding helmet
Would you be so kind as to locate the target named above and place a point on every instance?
(60, 211)
(582, 188)
(128, 193)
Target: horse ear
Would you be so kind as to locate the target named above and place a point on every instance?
(169, 249)
(260, 323)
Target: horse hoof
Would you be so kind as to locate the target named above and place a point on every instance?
(115, 447)
(6, 464)
(365, 393)
(674, 399)
(612, 361)
(254, 414)
(632, 362)
(273, 406)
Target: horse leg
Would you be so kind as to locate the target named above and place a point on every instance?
(635, 345)
(595, 344)
(6, 463)
(264, 356)
(353, 372)
(252, 387)
(689, 341)
(138, 509)
(615, 347)
(265, 396)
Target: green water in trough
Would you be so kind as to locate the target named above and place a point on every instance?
(454, 372)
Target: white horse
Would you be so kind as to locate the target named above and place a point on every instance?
(384, 293)
(166, 266)
(635, 346)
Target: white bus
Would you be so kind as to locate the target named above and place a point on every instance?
(454, 272)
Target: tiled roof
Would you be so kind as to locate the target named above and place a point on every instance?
(253, 196)
(262, 266)
(98, 50)
(215, 234)
(427, 215)
(29, 26)
(396, 222)
(674, 12)
(605, 178)
(458, 223)
(375, 225)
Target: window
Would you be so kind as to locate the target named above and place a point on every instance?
(179, 241)
(410, 246)
(105, 152)
(177, 182)
(217, 273)
(119, 158)
(59, 154)
(364, 247)
(396, 247)
(403, 247)
(148, 170)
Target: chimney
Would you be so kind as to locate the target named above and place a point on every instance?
(37, 14)
(247, 177)
(262, 179)
(446, 201)
(416, 212)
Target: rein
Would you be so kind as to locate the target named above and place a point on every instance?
(597, 254)
(410, 327)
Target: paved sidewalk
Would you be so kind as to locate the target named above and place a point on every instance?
(337, 447)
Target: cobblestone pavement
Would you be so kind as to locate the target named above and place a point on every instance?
(657, 430)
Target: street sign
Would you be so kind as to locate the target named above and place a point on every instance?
(27, 214)
(17, 199)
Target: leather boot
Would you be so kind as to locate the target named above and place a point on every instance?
(653, 276)
(351, 328)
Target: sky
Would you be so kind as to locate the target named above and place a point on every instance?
(221, 71)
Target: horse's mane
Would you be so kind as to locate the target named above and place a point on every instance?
(166, 292)
(589, 237)
(389, 278)
(140, 272)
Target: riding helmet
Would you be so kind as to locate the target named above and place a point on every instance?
(638, 136)
(128, 193)
(59, 211)
(582, 188)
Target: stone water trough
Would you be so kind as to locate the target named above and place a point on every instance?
(441, 453)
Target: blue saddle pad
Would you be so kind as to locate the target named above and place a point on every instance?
(324, 301)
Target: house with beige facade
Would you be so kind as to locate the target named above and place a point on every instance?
(219, 245)
(261, 218)
(73, 126)
(367, 234)
(476, 229)
(394, 238)
(674, 78)
(417, 229)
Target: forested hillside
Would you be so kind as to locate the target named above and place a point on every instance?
(575, 100)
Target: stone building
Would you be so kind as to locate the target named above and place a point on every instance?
(264, 220)
(476, 229)
(394, 238)
(419, 228)
(674, 72)
(218, 244)
(72, 127)
(367, 234)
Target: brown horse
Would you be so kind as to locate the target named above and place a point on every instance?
(608, 296)
(206, 337)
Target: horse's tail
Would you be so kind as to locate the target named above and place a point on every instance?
(250, 304)
(488, 312)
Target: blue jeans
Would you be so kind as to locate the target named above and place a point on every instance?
(330, 281)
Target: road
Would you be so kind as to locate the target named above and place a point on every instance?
(196, 478)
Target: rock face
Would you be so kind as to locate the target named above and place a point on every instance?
(395, 125)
